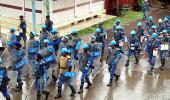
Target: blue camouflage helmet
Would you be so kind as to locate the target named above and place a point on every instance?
(150, 18)
(117, 20)
(54, 31)
(113, 43)
(64, 50)
(34, 34)
(139, 24)
(46, 41)
(132, 32)
(164, 31)
(12, 30)
(73, 31)
(0, 60)
(85, 46)
(43, 26)
(166, 19)
(98, 30)
(154, 27)
(154, 35)
(93, 38)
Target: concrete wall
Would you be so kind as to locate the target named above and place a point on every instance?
(63, 10)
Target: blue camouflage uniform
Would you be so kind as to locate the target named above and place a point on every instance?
(85, 64)
(4, 81)
(56, 39)
(33, 46)
(40, 71)
(75, 43)
(118, 23)
(134, 46)
(100, 38)
(164, 39)
(18, 61)
(119, 36)
(12, 40)
(152, 44)
(43, 36)
(114, 55)
(149, 23)
(103, 30)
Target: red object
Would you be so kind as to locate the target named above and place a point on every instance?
(110, 5)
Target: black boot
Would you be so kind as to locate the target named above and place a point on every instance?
(127, 63)
(19, 87)
(38, 96)
(110, 83)
(136, 61)
(73, 93)
(81, 89)
(117, 77)
(89, 85)
(59, 95)
(46, 93)
(54, 78)
(8, 98)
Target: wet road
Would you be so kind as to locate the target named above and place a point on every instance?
(134, 84)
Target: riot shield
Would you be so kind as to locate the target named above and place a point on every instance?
(96, 49)
(13, 78)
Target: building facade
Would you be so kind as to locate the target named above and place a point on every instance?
(62, 10)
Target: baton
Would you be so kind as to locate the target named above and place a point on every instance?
(30, 89)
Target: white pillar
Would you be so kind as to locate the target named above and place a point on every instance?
(47, 8)
(90, 9)
(34, 16)
(23, 7)
(75, 8)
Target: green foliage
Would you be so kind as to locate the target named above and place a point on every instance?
(139, 5)
(110, 23)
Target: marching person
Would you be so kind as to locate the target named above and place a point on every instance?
(134, 46)
(85, 64)
(66, 66)
(49, 24)
(33, 46)
(96, 50)
(12, 39)
(149, 23)
(40, 72)
(114, 55)
(18, 61)
(164, 47)
(119, 37)
(100, 38)
(160, 26)
(118, 23)
(152, 50)
(56, 40)
(4, 81)
(74, 46)
(43, 35)
(103, 30)
(145, 9)
(23, 28)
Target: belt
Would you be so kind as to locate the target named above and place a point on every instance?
(63, 68)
